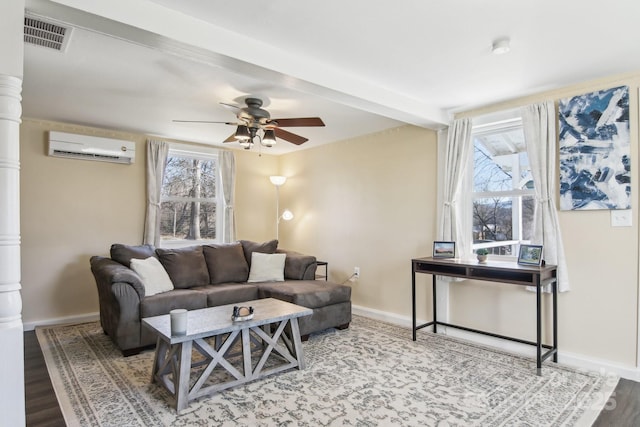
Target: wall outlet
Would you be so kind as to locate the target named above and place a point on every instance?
(356, 273)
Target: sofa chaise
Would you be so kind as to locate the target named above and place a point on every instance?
(207, 276)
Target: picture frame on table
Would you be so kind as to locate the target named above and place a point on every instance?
(530, 255)
(443, 249)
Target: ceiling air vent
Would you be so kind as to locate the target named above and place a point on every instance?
(46, 34)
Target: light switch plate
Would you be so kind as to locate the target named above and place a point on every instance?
(621, 218)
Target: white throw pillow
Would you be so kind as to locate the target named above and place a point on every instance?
(154, 277)
(267, 267)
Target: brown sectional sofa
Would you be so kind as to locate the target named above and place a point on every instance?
(208, 276)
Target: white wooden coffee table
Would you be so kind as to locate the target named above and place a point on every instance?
(172, 365)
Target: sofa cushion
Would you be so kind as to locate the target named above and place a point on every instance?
(307, 293)
(123, 253)
(267, 267)
(226, 263)
(154, 277)
(228, 293)
(297, 265)
(186, 266)
(165, 302)
(250, 247)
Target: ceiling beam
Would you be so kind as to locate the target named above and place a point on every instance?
(157, 27)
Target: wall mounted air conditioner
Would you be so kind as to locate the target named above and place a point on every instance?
(85, 147)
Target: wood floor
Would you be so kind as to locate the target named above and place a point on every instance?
(40, 400)
(625, 406)
(42, 408)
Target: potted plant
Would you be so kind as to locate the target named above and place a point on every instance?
(482, 255)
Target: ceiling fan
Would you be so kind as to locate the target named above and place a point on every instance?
(255, 122)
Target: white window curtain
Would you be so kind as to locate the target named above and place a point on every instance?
(228, 174)
(454, 221)
(157, 152)
(539, 121)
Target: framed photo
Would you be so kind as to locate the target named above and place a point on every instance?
(530, 255)
(444, 249)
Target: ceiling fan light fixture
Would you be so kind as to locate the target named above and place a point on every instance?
(242, 133)
(269, 138)
(254, 122)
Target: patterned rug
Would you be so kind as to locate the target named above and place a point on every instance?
(371, 374)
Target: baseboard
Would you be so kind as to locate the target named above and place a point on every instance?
(384, 316)
(566, 358)
(82, 318)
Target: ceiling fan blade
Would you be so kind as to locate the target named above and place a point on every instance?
(202, 121)
(302, 121)
(232, 138)
(291, 137)
(235, 107)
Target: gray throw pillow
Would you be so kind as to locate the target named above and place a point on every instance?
(226, 263)
(123, 253)
(186, 266)
(250, 247)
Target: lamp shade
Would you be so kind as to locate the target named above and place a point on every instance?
(269, 138)
(277, 180)
(287, 215)
(242, 133)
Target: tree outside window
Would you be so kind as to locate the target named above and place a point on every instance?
(189, 199)
(503, 192)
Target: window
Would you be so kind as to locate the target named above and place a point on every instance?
(503, 191)
(189, 199)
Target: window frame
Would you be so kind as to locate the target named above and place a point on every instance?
(197, 153)
(485, 126)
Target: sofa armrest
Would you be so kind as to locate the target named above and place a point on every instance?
(119, 292)
(108, 272)
(298, 266)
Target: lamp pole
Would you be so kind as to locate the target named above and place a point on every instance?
(277, 181)
(277, 212)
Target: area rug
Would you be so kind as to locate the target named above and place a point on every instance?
(371, 374)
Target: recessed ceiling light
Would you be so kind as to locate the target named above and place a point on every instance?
(501, 46)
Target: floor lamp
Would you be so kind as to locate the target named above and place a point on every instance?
(287, 215)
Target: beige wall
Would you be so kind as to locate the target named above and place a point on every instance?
(598, 317)
(73, 209)
(370, 202)
(70, 210)
(255, 196)
(366, 202)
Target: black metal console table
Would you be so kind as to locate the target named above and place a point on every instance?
(494, 271)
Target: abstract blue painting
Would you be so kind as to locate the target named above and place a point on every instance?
(595, 158)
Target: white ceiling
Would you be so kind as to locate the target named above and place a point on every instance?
(362, 66)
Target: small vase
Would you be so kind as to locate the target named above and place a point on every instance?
(482, 259)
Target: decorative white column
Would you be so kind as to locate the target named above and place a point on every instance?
(11, 329)
(12, 407)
